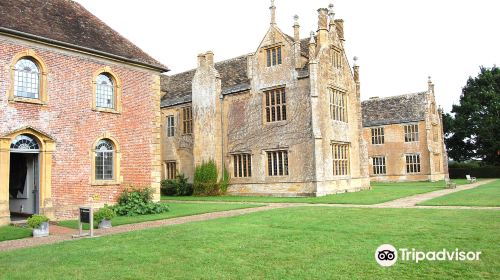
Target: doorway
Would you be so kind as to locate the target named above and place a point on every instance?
(24, 178)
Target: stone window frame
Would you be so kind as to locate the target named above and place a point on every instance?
(379, 165)
(274, 55)
(337, 58)
(43, 80)
(170, 125)
(338, 106)
(275, 167)
(117, 106)
(281, 107)
(242, 165)
(378, 135)
(413, 163)
(116, 162)
(187, 120)
(170, 169)
(341, 155)
(411, 132)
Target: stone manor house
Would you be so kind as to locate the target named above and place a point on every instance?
(79, 110)
(405, 137)
(283, 120)
(85, 113)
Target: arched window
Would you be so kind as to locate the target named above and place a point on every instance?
(26, 79)
(104, 160)
(24, 143)
(105, 91)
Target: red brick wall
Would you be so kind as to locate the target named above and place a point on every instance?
(70, 120)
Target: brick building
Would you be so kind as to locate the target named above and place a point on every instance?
(79, 110)
(284, 120)
(405, 137)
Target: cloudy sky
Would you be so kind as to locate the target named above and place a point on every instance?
(399, 43)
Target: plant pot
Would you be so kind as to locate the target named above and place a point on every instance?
(104, 224)
(42, 230)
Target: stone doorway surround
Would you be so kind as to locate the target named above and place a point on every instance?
(47, 148)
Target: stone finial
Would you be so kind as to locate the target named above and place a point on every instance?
(312, 40)
(273, 13)
(296, 30)
(430, 84)
(356, 69)
(312, 46)
(331, 12)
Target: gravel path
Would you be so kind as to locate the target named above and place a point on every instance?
(416, 199)
(64, 235)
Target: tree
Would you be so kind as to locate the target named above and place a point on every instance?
(474, 130)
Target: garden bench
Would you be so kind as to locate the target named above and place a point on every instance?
(450, 184)
(470, 179)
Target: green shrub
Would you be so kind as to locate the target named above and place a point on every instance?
(177, 187)
(36, 220)
(105, 213)
(135, 201)
(205, 180)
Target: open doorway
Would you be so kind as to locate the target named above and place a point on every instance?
(24, 176)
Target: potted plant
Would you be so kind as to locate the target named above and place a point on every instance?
(103, 217)
(39, 224)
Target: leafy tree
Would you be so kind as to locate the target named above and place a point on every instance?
(474, 130)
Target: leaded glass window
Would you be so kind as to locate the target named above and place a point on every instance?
(24, 143)
(26, 79)
(104, 154)
(105, 92)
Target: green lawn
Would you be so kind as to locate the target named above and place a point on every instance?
(293, 243)
(381, 192)
(485, 195)
(12, 232)
(176, 210)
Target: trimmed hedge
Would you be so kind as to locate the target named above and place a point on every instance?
(478, 172)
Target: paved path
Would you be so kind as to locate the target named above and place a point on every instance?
(60, 234)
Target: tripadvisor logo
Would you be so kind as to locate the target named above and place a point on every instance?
(387, 255)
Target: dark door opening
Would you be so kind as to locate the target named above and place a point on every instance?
(23, 184)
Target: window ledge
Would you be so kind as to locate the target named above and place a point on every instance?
(105, 183)
(106, 110)
(35, 101)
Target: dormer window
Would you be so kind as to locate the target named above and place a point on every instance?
(273, 56)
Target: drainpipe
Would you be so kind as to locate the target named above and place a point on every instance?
(221, 97)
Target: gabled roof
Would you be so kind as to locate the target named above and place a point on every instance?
(395, 109)
(69, 24)
(233, 74)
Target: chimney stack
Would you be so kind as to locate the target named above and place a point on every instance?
(322, 26)
(340, 28)
(209, 56)
(201, 60)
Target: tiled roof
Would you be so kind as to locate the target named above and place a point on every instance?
(67, 23)
(233, 74)
(395, 109)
